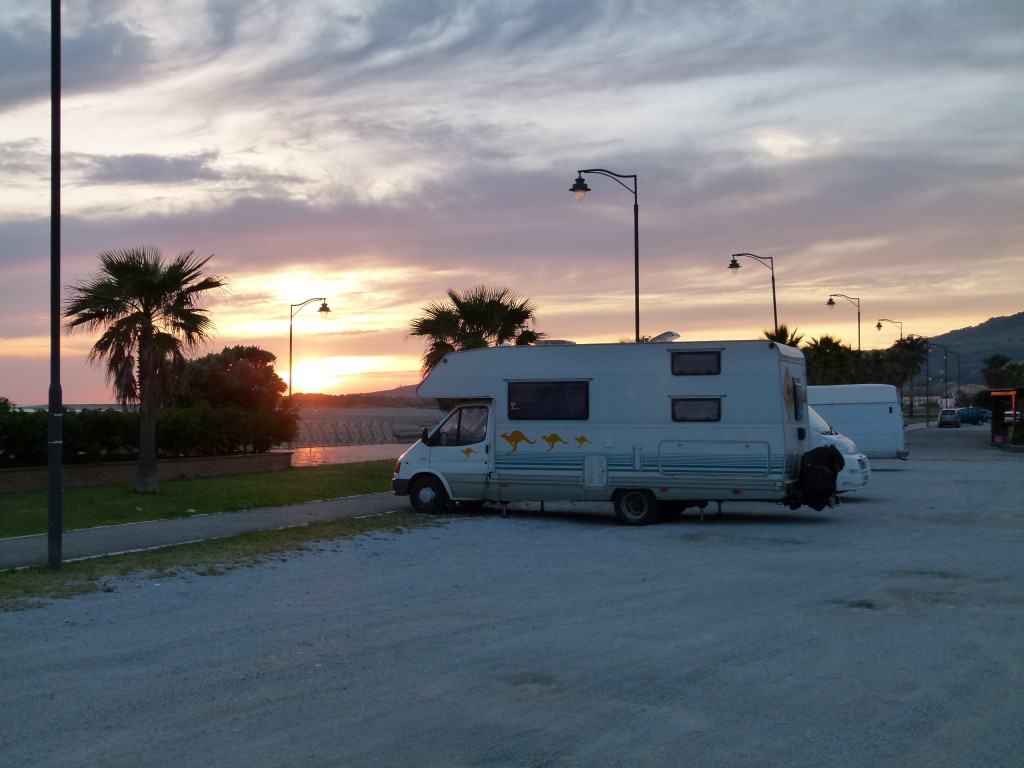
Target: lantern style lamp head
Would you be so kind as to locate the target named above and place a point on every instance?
(580, 188)
(324, 310)
(831, 303)
(734, 267)
(879, 326)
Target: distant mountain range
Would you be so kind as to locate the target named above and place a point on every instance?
(996, 336)
(400, 397)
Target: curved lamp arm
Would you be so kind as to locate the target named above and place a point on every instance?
(855, 300)
(894, 322)
(580, 188)
(765, 261)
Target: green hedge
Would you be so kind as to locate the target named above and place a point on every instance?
(109, 435)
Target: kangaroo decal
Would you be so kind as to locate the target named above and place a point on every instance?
(551, 439)
(581, 440)
(468, 451)
(515, 438)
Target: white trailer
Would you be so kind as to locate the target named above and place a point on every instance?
(868, 414)
(653, 427)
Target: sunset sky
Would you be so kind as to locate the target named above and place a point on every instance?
(378, 152)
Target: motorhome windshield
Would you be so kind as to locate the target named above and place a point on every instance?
(818, 424)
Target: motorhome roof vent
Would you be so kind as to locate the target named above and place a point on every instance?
(666, 336)
(553, 342)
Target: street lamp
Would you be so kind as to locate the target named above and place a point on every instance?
(894, 322)
(734, 267)
(945, 367)
(295, 308)
(853, 300)
(580, 188)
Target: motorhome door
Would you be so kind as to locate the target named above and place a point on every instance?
(459, 451)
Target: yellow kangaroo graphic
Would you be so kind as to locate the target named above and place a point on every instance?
(468, 451)
(581, 440)
(515, 438)
(551, 439)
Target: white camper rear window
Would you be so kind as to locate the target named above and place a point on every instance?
(548, 400)
(697, 409)
(707, 363)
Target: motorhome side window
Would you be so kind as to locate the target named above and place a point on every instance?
(697, 409)
(465, 426)
(548, 400)
(696, 363)
(799, 398)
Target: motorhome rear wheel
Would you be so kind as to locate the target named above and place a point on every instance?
(637, 506)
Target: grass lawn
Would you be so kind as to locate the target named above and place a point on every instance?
(25, 512)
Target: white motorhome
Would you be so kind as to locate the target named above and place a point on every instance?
(868, 414)
(856, 471)
(652, 427)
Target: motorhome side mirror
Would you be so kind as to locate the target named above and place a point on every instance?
(423, 437)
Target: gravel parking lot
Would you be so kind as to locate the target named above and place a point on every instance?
(886, 632)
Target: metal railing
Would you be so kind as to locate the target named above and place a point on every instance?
(346, 432)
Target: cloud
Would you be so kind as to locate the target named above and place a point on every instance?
(96, 57)
(149, 169)
(24, 62)
(104, 56)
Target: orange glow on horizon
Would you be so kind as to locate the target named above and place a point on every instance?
(344, 375)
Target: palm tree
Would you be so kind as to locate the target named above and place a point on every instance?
(147, 310)
(829, 361)
(782, 335)
(909, 354)
(1000, 371)
(476, 318)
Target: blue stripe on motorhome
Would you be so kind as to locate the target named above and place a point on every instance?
(737, 465)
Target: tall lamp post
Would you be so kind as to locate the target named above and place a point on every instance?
(580, 189)
(945, 372)
(894, 322)
(946, 352)
(55, 394)
(295, 308)
(734, 267)
(853, 300)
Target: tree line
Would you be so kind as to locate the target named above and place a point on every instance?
(829, 361)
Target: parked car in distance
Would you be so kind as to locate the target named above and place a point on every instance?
(973, 415)
(948, 417)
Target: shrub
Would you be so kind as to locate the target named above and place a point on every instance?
(1017, 438)
(23, 438)
(111, 435)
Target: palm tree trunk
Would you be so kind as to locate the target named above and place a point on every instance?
(145, 478)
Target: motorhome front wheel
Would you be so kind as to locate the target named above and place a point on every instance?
(428, 495)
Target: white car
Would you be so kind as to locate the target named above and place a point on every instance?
(857, 470)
